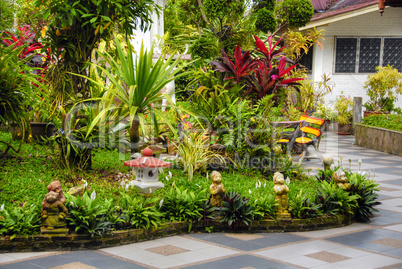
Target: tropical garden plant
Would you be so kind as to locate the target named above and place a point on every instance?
(344, 108)
(135, 83)
(383, 88)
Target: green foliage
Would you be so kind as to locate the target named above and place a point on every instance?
(335, 200)
(218, 9)
(136, 83)
(366, 191)
(301, 206)
(7, 10)
(383, 87)
(296, 13)
(266, 20)
(195, 153)
(388, 121)
(141, 213)
(264, 207)
(20, 220)
(344, 109)
(204, 47)
(326, 175)
(235, 210)
(78, 27)
(88, 214)
(180, 204)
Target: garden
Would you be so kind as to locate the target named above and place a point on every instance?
(70, 67)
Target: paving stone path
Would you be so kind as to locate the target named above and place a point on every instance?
(377, 244)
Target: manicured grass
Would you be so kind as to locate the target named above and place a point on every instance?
(25, 175)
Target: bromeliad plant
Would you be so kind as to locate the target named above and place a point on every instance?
(235, 210)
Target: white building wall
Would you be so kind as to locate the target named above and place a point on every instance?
(367, 25)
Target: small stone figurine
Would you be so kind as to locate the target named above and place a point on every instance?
(217, 189)
(53, 212)
(281, 191)
(56, 187)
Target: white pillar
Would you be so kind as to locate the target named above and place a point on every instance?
(157, 28)
(318, 58)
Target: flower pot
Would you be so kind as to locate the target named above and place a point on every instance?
(370, 113)
(327, 124)
(42, 130)
(344, 129)
(16, 132)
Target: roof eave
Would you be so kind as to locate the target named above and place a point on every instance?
(338, 17)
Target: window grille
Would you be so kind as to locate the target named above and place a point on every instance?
(369, 54)
(345, 61)
(363, 55)
(393, 52)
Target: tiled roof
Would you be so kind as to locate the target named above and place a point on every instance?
(328, 8)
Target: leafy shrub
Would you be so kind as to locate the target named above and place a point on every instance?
(326, 175)
(390, 121)
(335, 200)
(141, 213)
(89, 214)
(235, 210)
(265, 207)
(20, 220)
(303, 207)
(365, 190)
(182, 205)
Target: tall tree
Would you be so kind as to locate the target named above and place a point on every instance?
(77, 26)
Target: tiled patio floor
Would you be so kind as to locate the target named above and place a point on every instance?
(377, 244)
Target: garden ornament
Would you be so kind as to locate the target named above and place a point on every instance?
(53, 215)
(328, 160)
(340, 179)
(56, 187)
(146, 172)
(217, 189)
(281, 191)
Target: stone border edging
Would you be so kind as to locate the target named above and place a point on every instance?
(381, 139)
(123, 237)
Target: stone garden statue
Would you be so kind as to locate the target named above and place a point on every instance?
(54, 211)
(281, 191)
(56, 187)
(217, 189)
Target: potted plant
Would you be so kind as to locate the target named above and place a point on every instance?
(344, 111)
(382, 88)
(326, 113)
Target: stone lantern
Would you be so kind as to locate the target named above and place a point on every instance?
(146, 172)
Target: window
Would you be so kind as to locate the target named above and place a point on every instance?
(306, 60)
(362, 55)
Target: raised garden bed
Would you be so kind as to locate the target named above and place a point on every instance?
(380, 139)
(122, 237)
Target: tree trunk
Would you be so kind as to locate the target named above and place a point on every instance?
(135, 135)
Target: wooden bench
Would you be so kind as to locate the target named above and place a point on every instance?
(288, 137)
